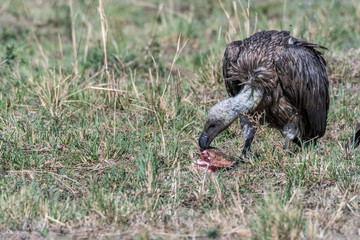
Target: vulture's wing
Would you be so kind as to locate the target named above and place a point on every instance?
(233, 85)
(304, 81)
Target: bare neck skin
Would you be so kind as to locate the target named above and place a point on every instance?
(231, 108)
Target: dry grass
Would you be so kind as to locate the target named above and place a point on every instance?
(102, 102)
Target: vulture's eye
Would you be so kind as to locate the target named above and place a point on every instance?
(212, 125)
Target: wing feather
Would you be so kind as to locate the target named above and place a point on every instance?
(304, 81)
(233, 85)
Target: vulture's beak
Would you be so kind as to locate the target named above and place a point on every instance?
(203, 141)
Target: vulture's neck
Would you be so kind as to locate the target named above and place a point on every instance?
(244, 102)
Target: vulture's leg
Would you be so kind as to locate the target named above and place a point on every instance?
(290, 132)
(249, 131)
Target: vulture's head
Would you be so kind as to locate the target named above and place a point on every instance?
(219, 118)
(227, 111)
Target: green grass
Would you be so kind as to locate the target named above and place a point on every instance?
(90, 153)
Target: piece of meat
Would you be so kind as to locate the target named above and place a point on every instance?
(212, 160)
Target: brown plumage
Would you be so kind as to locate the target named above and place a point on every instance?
(290, 76)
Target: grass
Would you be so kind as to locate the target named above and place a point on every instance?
(100, 111)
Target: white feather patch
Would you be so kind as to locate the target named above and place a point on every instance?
(259, 69)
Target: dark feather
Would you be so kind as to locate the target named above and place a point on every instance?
(305, 85)
(354, 140)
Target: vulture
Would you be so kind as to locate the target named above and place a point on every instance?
(275, 76)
